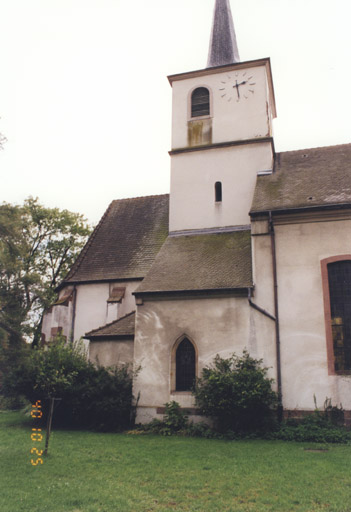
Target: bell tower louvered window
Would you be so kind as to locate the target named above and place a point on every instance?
(339, 276)
(200, 102)
(185, 366)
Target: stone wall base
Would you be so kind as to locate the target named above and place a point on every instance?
(297, 414)
(146, 414)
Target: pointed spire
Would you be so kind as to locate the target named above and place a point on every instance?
(223, 47)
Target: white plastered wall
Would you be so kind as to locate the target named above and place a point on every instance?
(193, 178)
(111, 353)
(92, 309)
(60, 316)
(216, 326)
(232, 120)
(300, 248)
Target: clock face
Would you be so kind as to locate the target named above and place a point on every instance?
(237, 86)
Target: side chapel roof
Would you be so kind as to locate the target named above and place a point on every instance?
(309, 178)
(201, 262)
(122, 328)
(125, 242)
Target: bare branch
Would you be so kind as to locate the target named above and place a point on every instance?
(3, 139)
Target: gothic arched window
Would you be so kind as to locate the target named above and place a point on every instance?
(200, 102)
(339, 279)
(185, 365)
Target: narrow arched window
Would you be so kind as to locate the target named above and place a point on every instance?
(339, 277)
(218, 191)
(185, 365)
(200, 102)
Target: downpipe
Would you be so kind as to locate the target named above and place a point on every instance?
(74, 307)
(276, 314)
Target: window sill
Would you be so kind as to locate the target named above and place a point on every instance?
(200, 118)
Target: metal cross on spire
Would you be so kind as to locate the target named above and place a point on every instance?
(223, 46)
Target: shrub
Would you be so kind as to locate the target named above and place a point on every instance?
(92, 397)
(174, 421)
(313, 428)
(237, 393)
(200, 429)
(174, 418)
(334, 413)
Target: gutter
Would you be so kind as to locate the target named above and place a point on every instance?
(187, 294)
(302, 209)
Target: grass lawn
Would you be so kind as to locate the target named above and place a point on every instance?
(91, 472)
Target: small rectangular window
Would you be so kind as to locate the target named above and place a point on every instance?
(218, 191)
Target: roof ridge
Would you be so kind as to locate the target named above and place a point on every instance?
(82, 254)
(139, 197)
(210, 231)
(111, 323)
(313, 148)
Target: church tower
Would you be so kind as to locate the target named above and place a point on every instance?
(221, 134)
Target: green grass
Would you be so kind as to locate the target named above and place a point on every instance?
(91, 472)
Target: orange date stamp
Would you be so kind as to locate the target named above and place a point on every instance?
(36, 435)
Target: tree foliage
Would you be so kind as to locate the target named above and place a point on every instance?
(236, 392)
(91, 397)
(38, 245)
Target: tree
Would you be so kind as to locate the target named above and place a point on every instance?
(91, 396)
(2, 141)
(38, 245)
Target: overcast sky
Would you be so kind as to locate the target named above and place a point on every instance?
(86, 106)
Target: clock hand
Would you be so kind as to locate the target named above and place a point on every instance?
(237, 88)
(241, 83)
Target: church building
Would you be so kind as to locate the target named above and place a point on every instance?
(250, 250)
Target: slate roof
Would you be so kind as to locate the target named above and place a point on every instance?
(310, 178)
(223, 47)
(123, 327)
(125, 242)
(201, 262)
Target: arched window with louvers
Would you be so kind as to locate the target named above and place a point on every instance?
(200, 102)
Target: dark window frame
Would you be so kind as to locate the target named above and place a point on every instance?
(200, 103)
(333, 327)
(185, 365)
(218, 192)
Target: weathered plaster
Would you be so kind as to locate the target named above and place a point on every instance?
(216, 326)
(232, 120)
(300, 249)
(193, 177)
(111, 353)
(93, 311)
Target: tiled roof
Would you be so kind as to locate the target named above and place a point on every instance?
(125, 242)
(201, 262)
(120, 328)
(319, 177)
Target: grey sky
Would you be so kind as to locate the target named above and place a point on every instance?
(86, 105)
